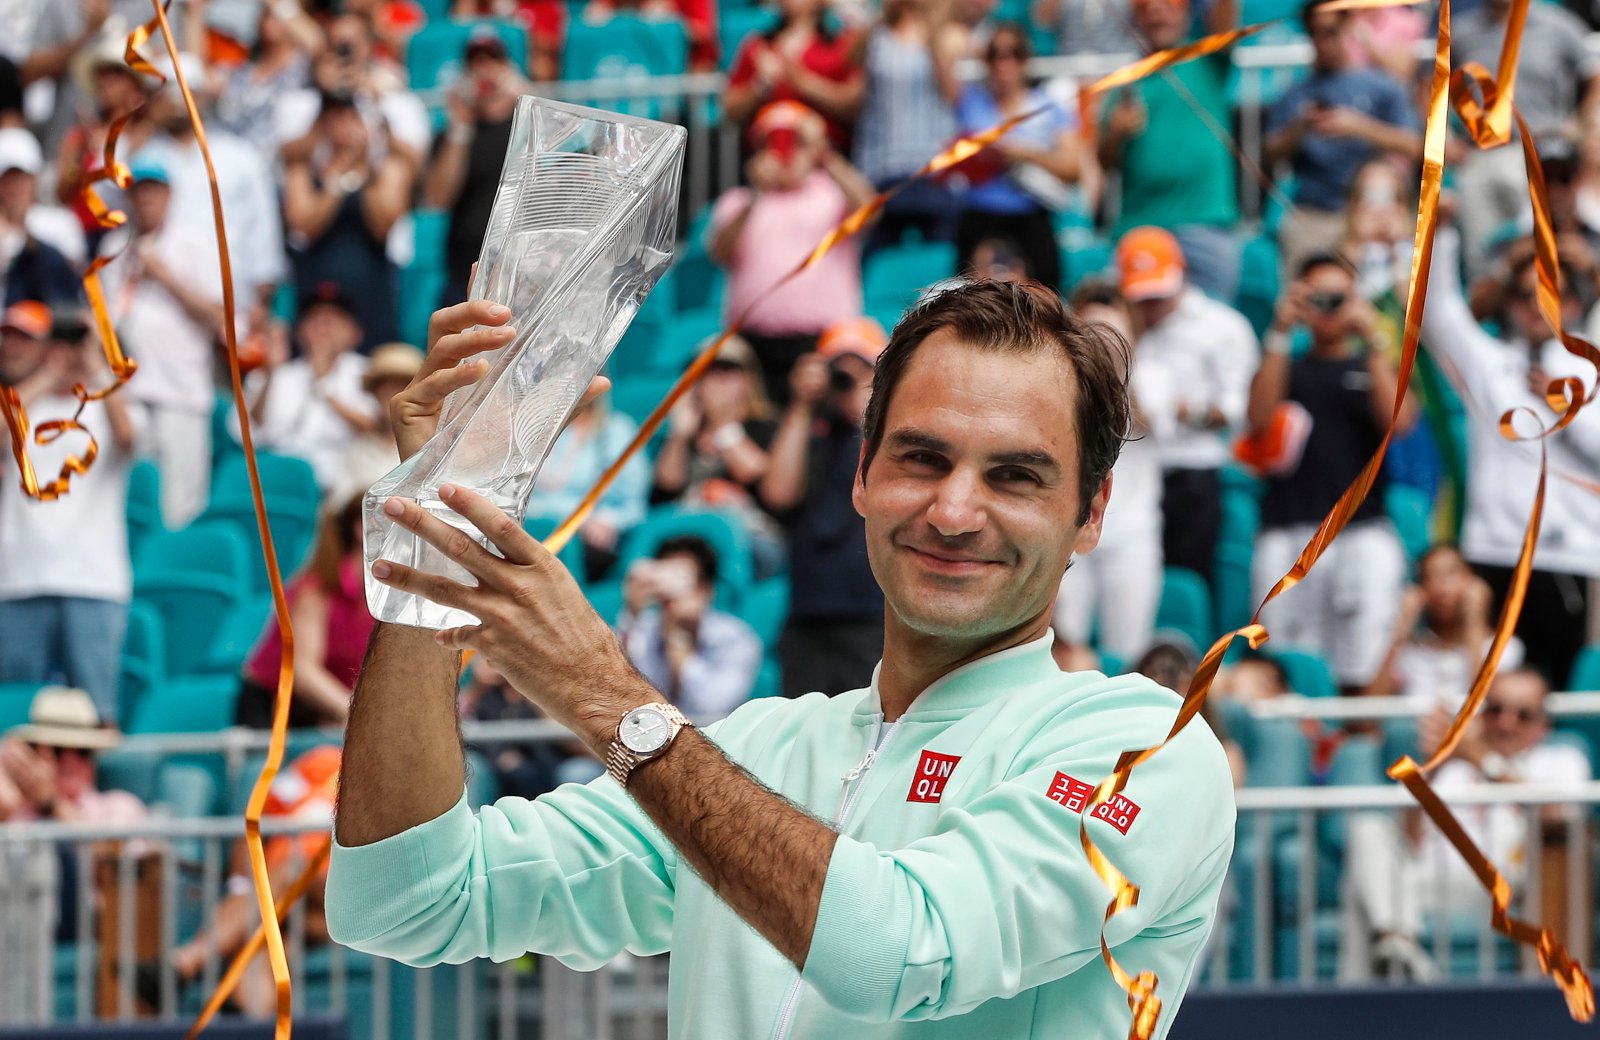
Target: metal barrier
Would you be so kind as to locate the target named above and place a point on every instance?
(138, 891)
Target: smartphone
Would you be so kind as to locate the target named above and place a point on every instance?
(675, 578)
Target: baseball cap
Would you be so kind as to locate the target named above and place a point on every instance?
(789, 116)
(860, 337)
(487, 42)
(19, 150)
(327, 293)
(29, 317)
(149, 171)
(1150, 264)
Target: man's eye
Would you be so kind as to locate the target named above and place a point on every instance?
(1012, 474)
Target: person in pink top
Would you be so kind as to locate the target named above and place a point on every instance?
(328, 606)
(47, 766)
(799, 189)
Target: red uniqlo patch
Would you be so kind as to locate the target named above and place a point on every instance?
(1119, 810)
(932, 772)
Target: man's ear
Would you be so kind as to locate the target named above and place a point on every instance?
(858, 490)
(1088, 535)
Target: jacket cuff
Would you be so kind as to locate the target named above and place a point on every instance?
(374, 888)
(863, 931)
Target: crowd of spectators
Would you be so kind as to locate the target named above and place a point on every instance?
(325, 158)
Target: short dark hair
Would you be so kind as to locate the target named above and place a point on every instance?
(1020, 318)
(1309, 8)
(697, 549)
(1280, 674)
(1322, 258)
(1018, 32)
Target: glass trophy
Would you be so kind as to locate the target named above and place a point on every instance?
(582, 229)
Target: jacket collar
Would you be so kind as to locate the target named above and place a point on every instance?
(972, 685)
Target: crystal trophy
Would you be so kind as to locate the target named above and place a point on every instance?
(582, 229)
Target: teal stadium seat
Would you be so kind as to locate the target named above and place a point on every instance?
(290, 490)
(571, 554)
(15, 700)
(422, 281)
(635, 396)
(629, 49)
(1584, 678)
(1257, 295)
(282, 476)
(433, 57)
(1186, 607)
(241, 630)
(188, 704)
(898, 274)
(194, 579)
(1411, 512)
(766, 607)
(1309, 674)
(697, 282)
(144, 504)
(734, 25)
(668, 350)
(144, 658)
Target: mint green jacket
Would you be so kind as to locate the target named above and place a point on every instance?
(958, 901)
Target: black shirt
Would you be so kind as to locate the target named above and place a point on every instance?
(469, 217)
(1337, 393)
(830, 578)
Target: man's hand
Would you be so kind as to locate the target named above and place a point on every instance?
(1291, 308)
(809, 380)
(1338, 121)
(33, 774)
(535, 626)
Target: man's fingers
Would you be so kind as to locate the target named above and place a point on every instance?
(463, 638)
(597, 386)
(454, 543)
(457, 346)
(436, 386)
(463, 316)
(515, 544)
(439, 589)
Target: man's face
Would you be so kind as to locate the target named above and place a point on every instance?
(1326, 29)
(148, 202)
(1513, 714)
(1444, 577)
(971, 502)
(852, 378)
(1522, 306)
(1330, 314)
(20, 356)
(18, 189)
(328, 329)
(1147, 314)
(1162, 23)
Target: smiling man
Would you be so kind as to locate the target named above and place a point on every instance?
(901, 861)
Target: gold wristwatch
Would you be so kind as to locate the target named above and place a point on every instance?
(644, 733)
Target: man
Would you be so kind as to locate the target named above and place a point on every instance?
(250, 209)
(1345, 385)
(950, 881)
(1551, 88)
(1494, 375)
(21, 161)
(34, 268)
(799, 189)
(164, 292)
(833, 635)
(65, 577)
(1327, 126)
(464, 174)
(1398, 871)
(348, 66)
(1207, 350)
(704, 660)
(314, 406)
(1182, 112)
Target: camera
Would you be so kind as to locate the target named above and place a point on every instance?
(1326, 302)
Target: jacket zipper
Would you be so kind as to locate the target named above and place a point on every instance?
(847, 800)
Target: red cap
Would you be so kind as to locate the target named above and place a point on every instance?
(1151, 264)
(862, 337)
(29, 317)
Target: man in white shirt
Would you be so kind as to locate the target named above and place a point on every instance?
(21, 162)
(314, 406)
(65, 577)
(1208, 352)
(1496, 375)
(1400, 871)
(164, 292)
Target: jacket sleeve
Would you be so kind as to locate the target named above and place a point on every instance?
(1452, 334)
(580, 874)
(1003, 899)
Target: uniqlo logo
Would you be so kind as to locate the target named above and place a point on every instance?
(1070, 792)
(932, 772)
(1119, 810)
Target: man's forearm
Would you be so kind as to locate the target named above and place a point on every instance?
(403, 764)
(762, 855)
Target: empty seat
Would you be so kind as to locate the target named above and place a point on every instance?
(194, 579)
(1186, 606)
(144, 658)
(629, 50)
(144, 504)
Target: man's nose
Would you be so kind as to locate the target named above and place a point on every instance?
(957, 506)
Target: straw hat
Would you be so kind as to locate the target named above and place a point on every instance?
(392, 361)
(64, 717)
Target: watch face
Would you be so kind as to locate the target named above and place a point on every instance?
(644, 731)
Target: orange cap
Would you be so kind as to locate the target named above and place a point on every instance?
(1151, 264)
(781, 115)
(29, 317)
(863, 337)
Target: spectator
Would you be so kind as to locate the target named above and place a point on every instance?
(1326, 126)
(799, 189)
(1120, 582)
(1398, 872)
(251, 214)
(717, 447)
(1550, 90)
(521, 769)
(304, 793)
(328, 608)
(834, 634)
(1442, 633)
(1089, 26)
(1173, 665)
(699, 18)
(544, 20)
(1182, 112)
(65, 577)
(110, 88)
(313, 406)
(339, 205)
(592, 440)
(1207, 351)
(34, 269)
(1345, 608)
(373, 453)
(464, 173)
(21, 162)
(1494, 376)
(704, 660)
(1007, 200)
(280, 63)
(164, 292)
(1380, 217)
(907, 115)
(348, 66)
(800, 59)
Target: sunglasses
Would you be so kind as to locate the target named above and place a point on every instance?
(1005, 54)
(1327, 302)
(1494, 709)
(721, 365)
